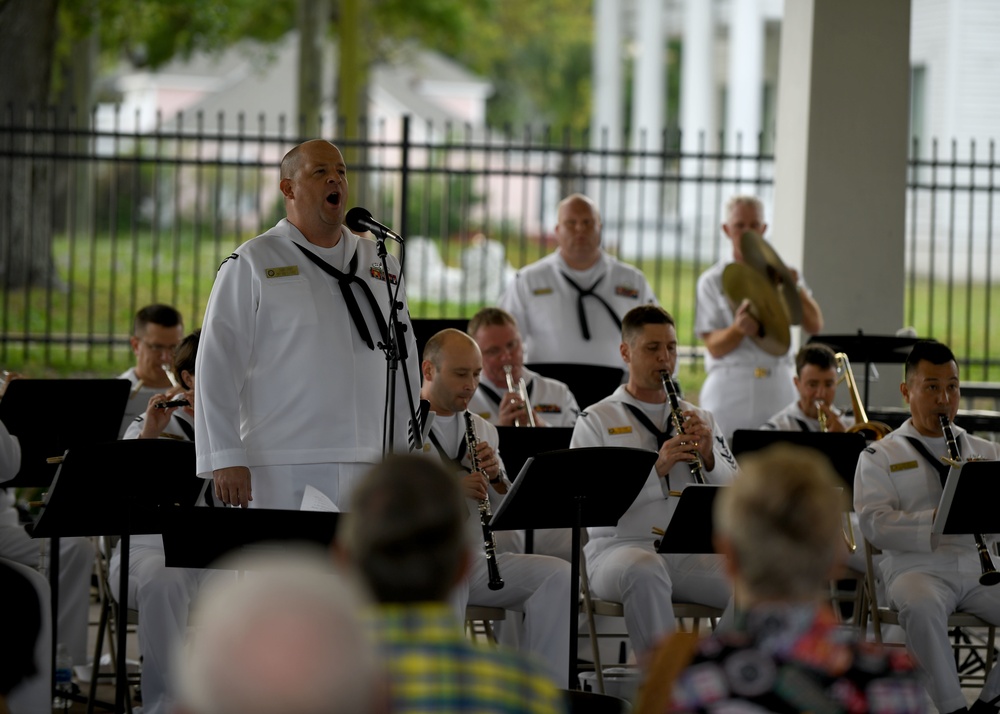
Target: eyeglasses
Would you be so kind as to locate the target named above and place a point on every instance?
(156, 347)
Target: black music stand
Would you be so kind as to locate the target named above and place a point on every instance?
(690, 527)
(574, 488)
(590, 383)
(99, 489)
(968, 502)
(199, 537)
(27, 412)
(840, 449)
(887, 349)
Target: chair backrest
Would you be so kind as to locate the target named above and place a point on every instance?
(590, 383)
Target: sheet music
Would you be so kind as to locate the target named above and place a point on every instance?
(315, 500)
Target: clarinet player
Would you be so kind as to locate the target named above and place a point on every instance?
(535, 585)
(621, 559)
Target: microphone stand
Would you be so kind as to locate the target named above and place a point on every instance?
(393, 354)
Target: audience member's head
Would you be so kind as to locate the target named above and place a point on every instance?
(285, 639)
(779, 524)
(156, 332)
(405, 530)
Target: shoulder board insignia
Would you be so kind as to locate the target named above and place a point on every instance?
(542, 291)
(904, 466)
(615, 430)
(282, 272)
(626, 291)
(548, 408)
(376, 272)
(232, 256)
(869, 450)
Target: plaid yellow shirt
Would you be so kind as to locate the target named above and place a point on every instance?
(433, 668)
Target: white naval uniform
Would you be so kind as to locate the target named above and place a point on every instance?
(555, 403)
(76, 557)
(746, 386)
(545, 306)
(536, 585)
(792, 418)
(896, 491)
(162, 595)
(622, 563)
(138, 400)
(285, 384)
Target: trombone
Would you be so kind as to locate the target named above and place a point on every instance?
(871, 430)
(521, 391)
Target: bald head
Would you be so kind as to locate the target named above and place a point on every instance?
(451, 367)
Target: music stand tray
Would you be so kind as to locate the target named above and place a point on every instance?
(573, 488)
(199, 537)
(690, 527)
(968, 502)
(27, 412)
(841, 449)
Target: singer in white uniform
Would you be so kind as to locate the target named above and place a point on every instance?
(156, 332)
(290, 380)
(897, 489)
(570, 303)
(621, 560)
(536, 585)
(745, 385)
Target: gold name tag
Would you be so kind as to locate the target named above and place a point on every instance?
(761, 372)
(906, 465)
(542, 291)
(614, 430)
(282, 272)
(485, 415)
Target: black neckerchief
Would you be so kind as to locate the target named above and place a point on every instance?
(457, 460)
(589, 292)
(344, 280)
(661, 436)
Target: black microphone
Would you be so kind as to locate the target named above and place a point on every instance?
(358, 219)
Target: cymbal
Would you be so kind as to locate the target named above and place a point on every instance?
(759, 254)
(741, 282)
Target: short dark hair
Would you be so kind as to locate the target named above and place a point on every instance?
(817, 354)
(162, 315)
(928, 351)
(489, 317)
(638, 317)
(405, 531)
(185, 354)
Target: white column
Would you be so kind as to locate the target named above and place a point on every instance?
(746, 75)
(649, 90)
(698, 76)
(840, 174)
(608, 95)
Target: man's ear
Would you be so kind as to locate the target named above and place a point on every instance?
(286, 188)
(134, 343)
(427, 370)
(624, 351)
(905, 391)
(187, 379)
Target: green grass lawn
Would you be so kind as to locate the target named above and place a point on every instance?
(110, 278)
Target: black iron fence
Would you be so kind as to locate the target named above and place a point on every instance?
(96, 223)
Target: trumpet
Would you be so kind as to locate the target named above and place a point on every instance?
(990, 575)
(485, 512)
(821, 415)
(522, 392)
(677, 419)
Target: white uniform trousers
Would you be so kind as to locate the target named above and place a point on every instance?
(163, 597)
(536, 585)
(924, 602)
(281, 487)
(646, 584)
(34, 694)
(739, 400)
(76, 564)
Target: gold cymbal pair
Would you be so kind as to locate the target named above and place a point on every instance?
(764, 280)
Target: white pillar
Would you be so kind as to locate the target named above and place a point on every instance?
(649, 90)
(746, 76)
(698, 76)
(608, 95)
(840, 173)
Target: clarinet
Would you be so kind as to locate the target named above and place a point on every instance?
(485, 512)
(990, 575)
(677, 419)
